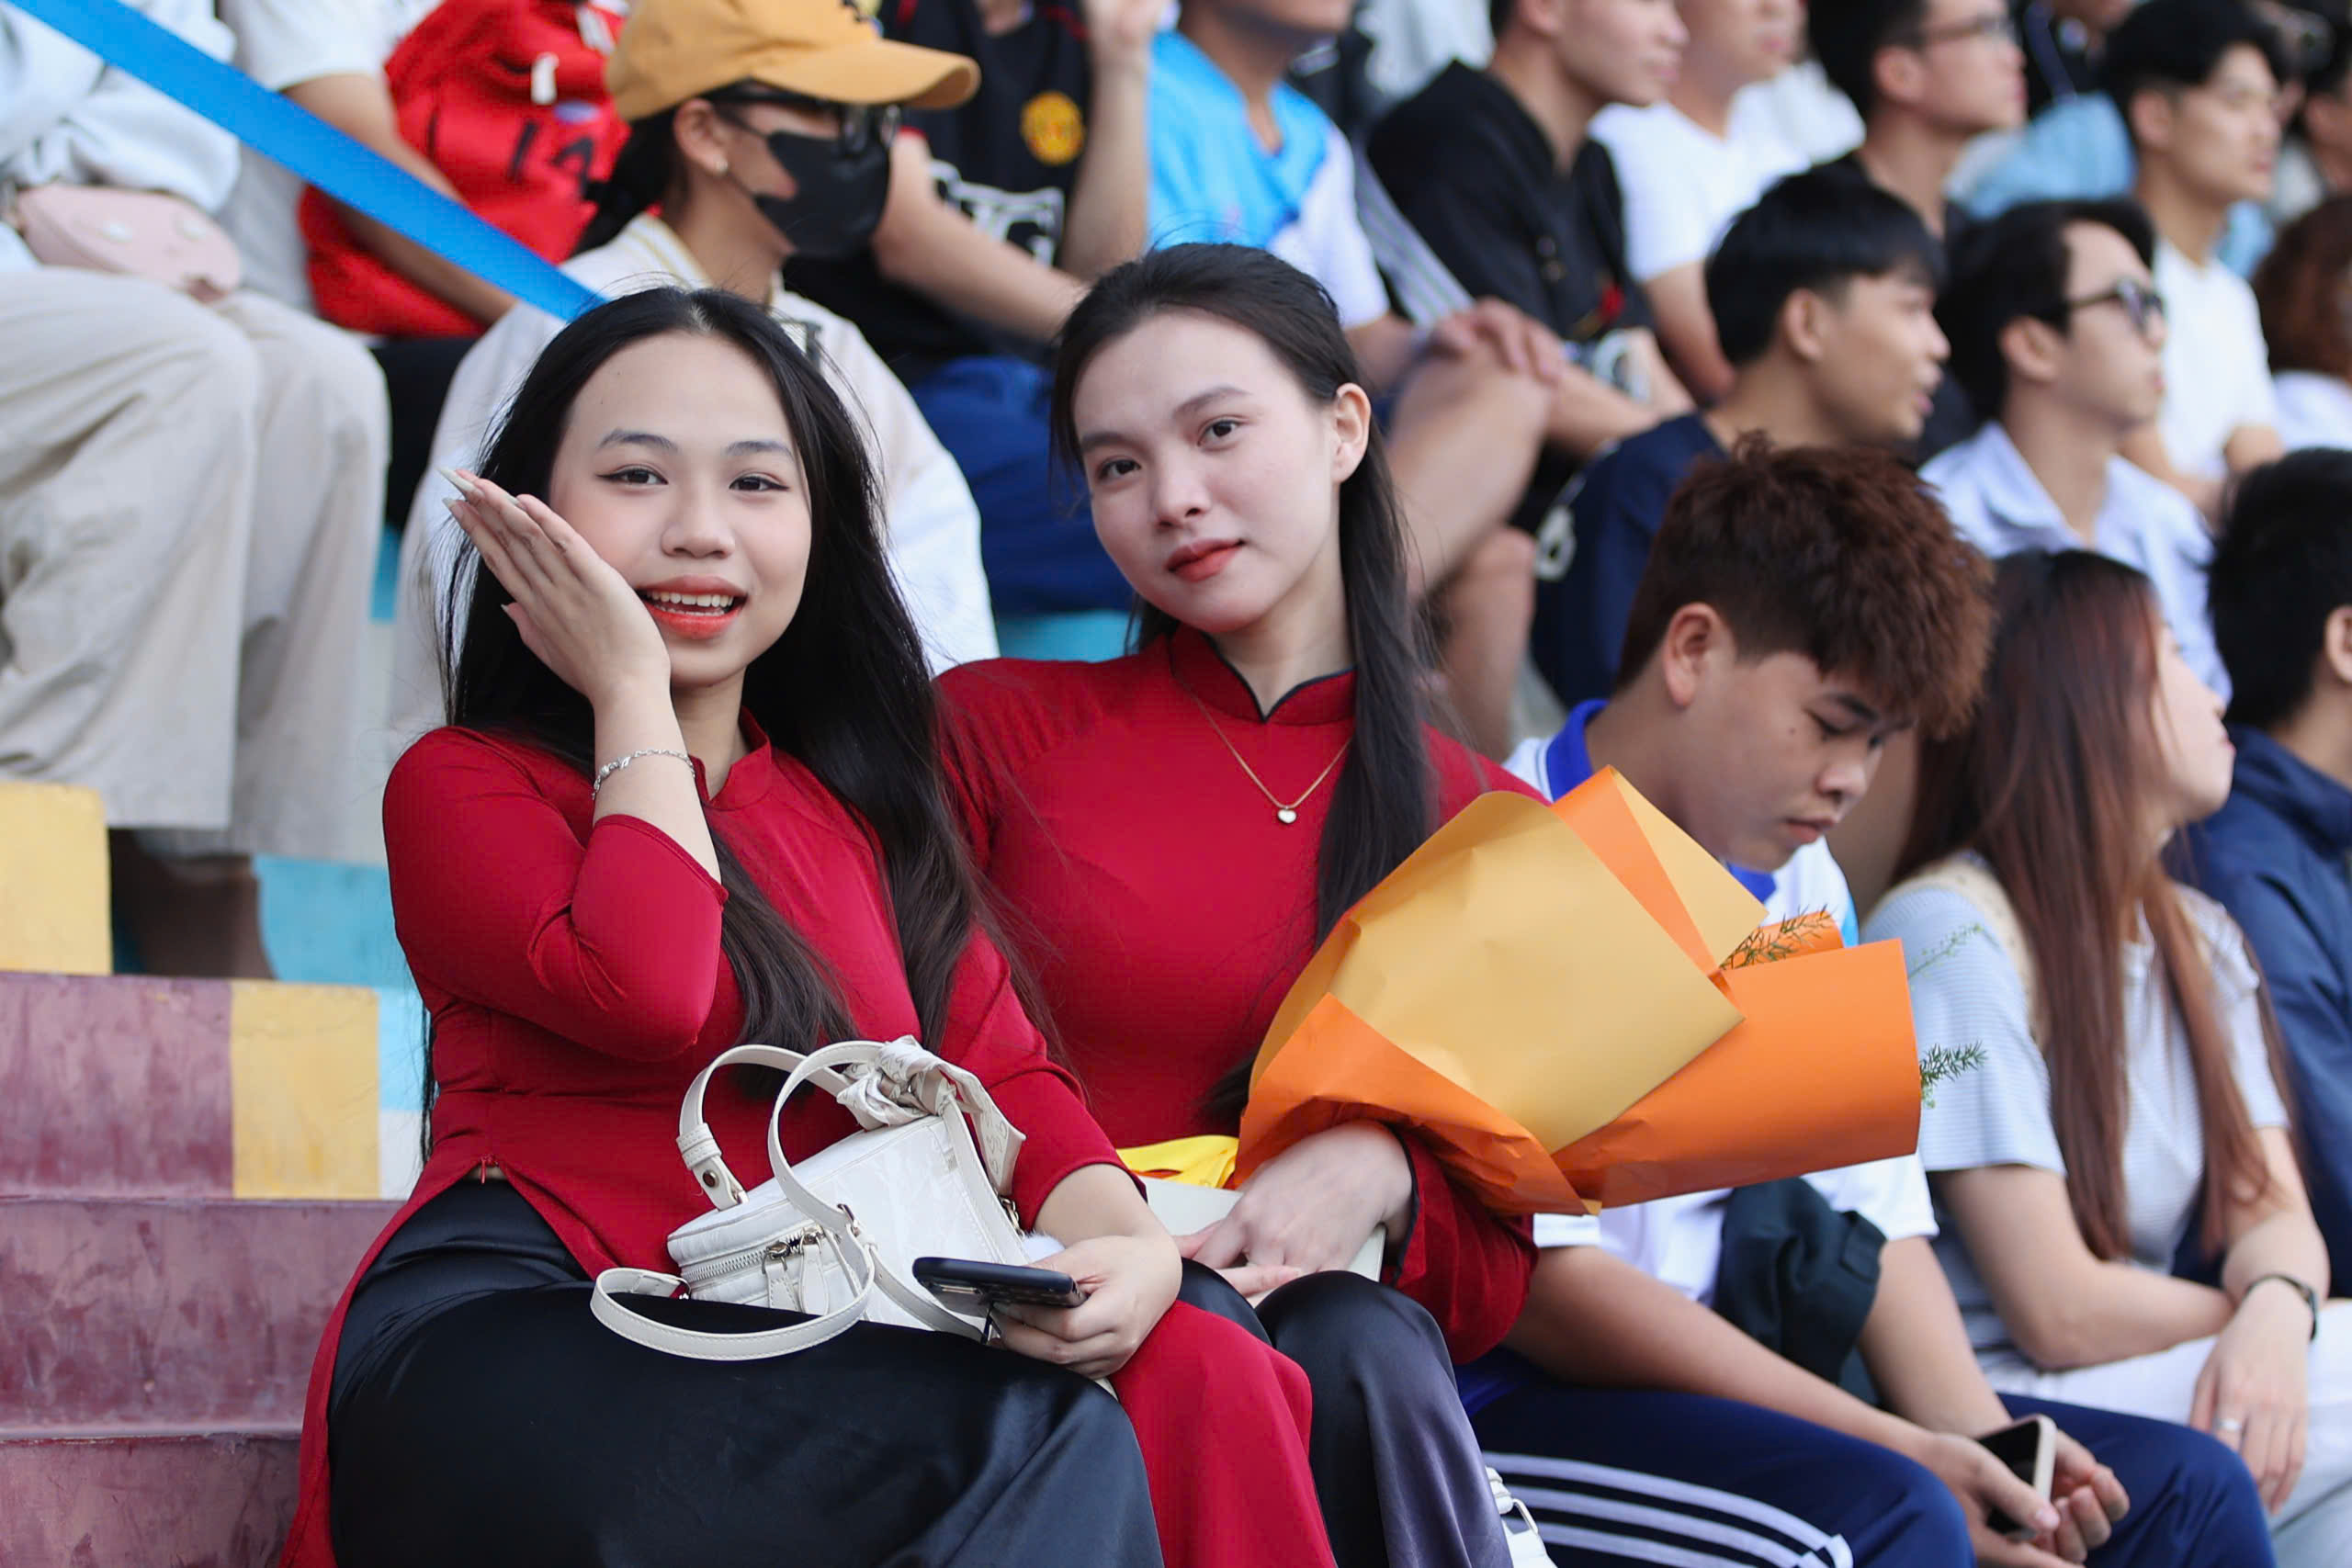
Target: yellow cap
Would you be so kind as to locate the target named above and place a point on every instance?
(670, 50)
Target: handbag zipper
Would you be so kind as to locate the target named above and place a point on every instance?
(774, 1249)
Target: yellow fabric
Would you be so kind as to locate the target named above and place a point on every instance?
(1205, 1161)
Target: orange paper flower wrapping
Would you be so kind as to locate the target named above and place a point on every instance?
(1573, 1007)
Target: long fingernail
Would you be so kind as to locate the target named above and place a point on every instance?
(465, 486)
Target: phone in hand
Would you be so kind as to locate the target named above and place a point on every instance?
(972, 1288)
(2030, 1448)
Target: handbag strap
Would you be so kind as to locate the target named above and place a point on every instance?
(887, 1084)
(916, 1303)
(704, 1345)
(696, 1145)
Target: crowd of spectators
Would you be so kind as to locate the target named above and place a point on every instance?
(1753, 375)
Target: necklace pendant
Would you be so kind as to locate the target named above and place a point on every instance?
(1285, 816)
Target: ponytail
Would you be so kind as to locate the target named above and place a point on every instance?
(641, 177)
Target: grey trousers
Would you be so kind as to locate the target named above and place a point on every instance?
(190, 499)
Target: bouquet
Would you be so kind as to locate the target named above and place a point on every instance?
(1576, 1006)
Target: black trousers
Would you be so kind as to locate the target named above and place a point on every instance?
(1397, 1466)
(483, 1415)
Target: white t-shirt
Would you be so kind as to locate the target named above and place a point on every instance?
(1998, 1113)
(2314, 410)
(1328, 241)
(280, 44)
(2217, 371)
(1798, 108)
(1682, 183)
(1681, 1240)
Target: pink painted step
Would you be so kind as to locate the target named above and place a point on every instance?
(114, 1086)
(185, 1500)
(167, 1313)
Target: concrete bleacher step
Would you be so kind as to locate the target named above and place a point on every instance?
(170, 1314)
(136, 1087)
(189, 1170)
(154, 1372)
(156, 1500)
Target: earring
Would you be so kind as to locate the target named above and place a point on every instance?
(719, 170)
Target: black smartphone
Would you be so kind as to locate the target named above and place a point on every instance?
(970, 1287)
(2029, 1448)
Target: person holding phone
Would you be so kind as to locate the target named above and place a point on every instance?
(689, 796)
(2125, 1113)
(1786, 1354)
(1171, 833)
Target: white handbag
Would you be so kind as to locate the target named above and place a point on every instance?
(834, 1236)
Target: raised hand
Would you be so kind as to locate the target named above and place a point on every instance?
(578, 614)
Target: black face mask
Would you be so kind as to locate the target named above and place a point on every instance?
(842, 185)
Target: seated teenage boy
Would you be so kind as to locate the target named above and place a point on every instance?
(1799, 607)
(2058, 336)
(1497, 189)
(1238, 156)
(1824, 296)
(1928, 77)
(1499, 181)
(1001, 211)
(2278, 855)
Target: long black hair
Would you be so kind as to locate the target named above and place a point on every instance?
(1385, 803)
(844, 689)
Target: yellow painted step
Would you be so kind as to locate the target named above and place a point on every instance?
(54, 914)
(302, 1063)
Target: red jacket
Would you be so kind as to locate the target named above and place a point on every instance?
(1166, 910)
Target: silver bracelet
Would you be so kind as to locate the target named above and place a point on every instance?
(625, 759)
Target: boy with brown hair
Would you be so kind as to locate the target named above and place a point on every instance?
(1800, 606)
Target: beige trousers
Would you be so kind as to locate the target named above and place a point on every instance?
(190, 499)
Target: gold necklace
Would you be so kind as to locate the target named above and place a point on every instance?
(1285, 813)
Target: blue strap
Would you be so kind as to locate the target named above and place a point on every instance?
(312, 149)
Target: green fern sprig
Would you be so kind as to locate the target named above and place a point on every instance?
(1942, 1064)
(1945, 949)
(1782, 938)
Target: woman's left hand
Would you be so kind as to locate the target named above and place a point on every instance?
(1309, 1209)
(1130, 1282)
(2254, 1391)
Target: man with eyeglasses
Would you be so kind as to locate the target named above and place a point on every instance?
(2077, 146)
(2198, 83)
(1928, 77)
(2057, 335)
